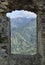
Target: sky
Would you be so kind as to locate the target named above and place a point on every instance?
(21, 13)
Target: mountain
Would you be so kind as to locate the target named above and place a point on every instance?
(23, 36)
(20, 21)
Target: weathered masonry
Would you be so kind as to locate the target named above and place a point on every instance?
(6, 58)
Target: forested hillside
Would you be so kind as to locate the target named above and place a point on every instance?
(23, 36)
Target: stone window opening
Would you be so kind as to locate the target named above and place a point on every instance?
(23, 19)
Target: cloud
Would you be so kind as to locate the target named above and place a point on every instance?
(21, 13)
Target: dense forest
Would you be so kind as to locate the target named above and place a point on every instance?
(23, 36)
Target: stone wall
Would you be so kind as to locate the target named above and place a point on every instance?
(41, 31)
(3, 40)
(25, 59)
(5, 53)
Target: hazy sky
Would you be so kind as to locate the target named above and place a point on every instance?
(21, 13)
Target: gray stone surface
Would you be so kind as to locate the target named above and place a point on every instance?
(25, 59)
